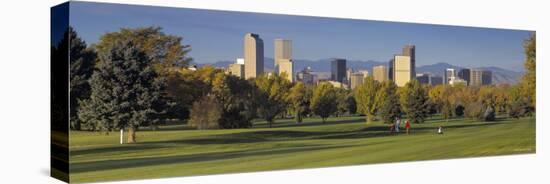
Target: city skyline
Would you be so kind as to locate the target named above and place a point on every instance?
(339, 38)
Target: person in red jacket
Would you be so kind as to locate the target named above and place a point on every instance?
(408, 126)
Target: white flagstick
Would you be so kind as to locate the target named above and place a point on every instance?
(121, 135)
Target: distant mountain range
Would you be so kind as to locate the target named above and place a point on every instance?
(322, 68)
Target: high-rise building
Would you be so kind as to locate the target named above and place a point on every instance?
(487, 78)
(480, 77)
(240, 61)
(403, 70)
(380, 73)
(253, 55)
(464, 74)
(364, 72)
(402, 67)
(410, 50)
(338, 70)
(390, 69)
(283, 51)
(450, 74)
(424, 78)
(349, 71)
(237, 68)
(286, 67)
(305, 76)
(356, 79)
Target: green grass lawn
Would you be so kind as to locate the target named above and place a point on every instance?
(177, 151)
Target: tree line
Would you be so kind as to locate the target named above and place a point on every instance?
(138, 77)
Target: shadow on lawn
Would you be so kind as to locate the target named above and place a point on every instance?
(291, 123)
(199, 157)
(118, 148)
(279, 135)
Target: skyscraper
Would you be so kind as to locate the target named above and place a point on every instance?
(380, 73)
(390, 68)
(487, 78)
(283, 50)
(338, 70)
(480, 77)
(356, 79)
(403, 70)
(253, 55)
(349, 71)
(410, 50)
(364, 72)
(464, 74)
(402, 66)
(283, 58)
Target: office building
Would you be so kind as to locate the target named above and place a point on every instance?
(237, 68)
(465, 75)
(380, 73)
(410, 50)
(450, 74)
(338, 70)
(487, 78)
(390, 69)
(283, 51)
(402, 70)
(286, 68)
(356, 79)
(306, 76)
(364, 72)
(349, 71)
(403, 66)
(253, 55)
(480, 77)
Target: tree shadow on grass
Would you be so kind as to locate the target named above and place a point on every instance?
(199, 157)
(282, 135)
(313, 123)
(117, 148)
(248, 137)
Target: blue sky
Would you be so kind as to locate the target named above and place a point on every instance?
(218, 35)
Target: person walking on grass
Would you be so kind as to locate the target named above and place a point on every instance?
(440, 130)
(408, 126)
(397, 122)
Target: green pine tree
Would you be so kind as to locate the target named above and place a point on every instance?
(414, 101)
(81, 63)
(389, 102)
(126, 92)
